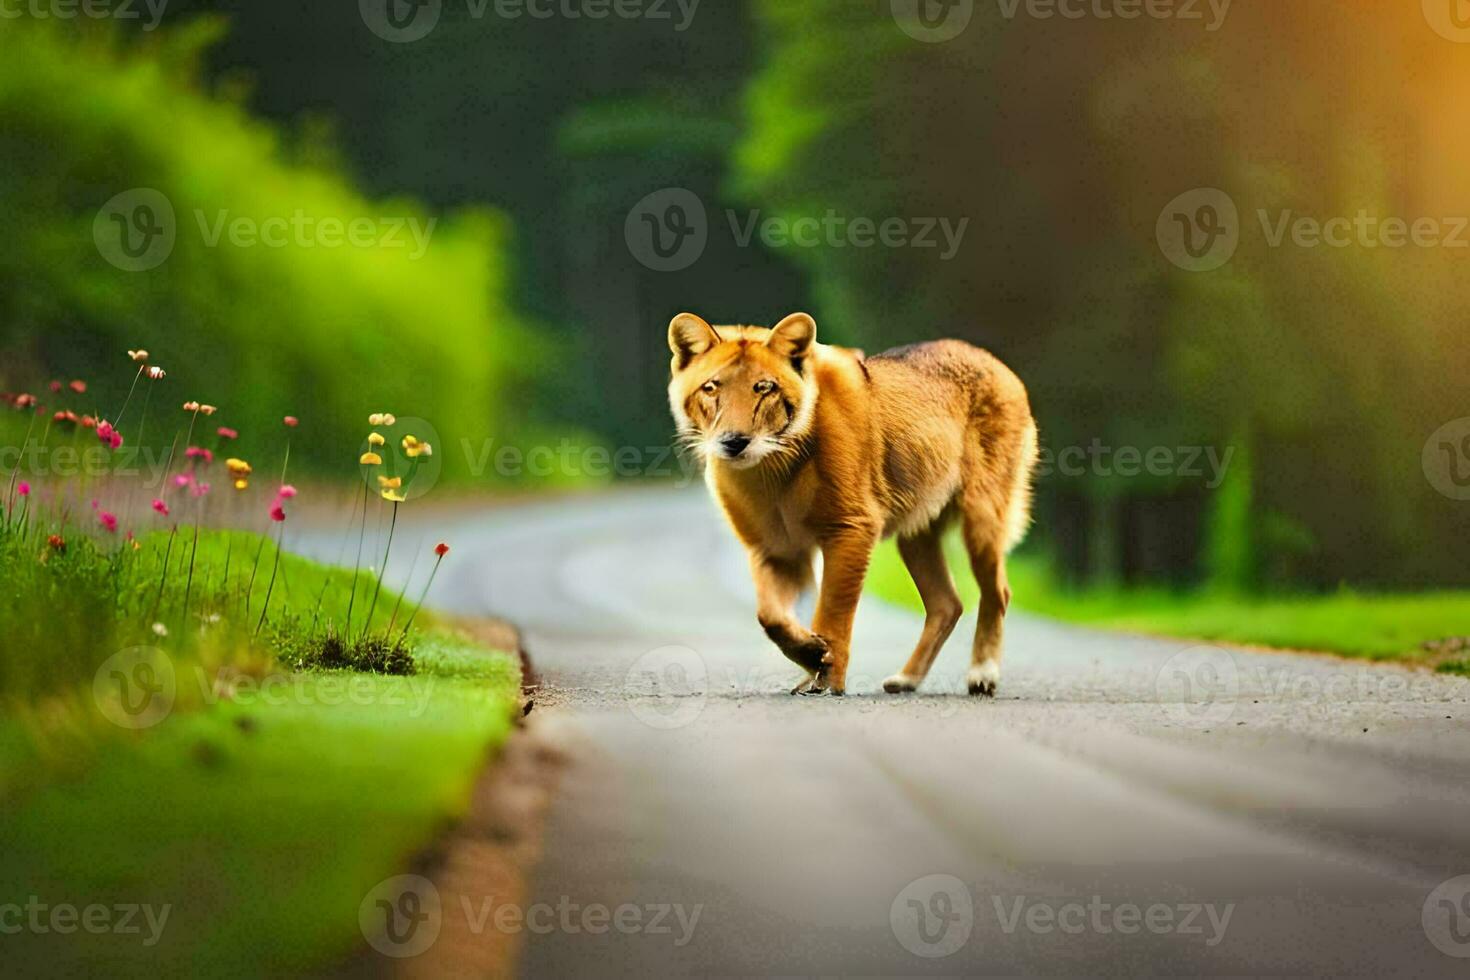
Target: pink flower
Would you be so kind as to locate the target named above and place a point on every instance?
(198, 452)
(80, 387)
(55, 387)
(183, 480)
(161, 507)
(291, 421)
(108, 436)
(108, 521)
(200, 489)
(225, 433)
(24, 489)
(286, 492)
(277, 513)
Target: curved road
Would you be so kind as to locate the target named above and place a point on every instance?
(1125, 806)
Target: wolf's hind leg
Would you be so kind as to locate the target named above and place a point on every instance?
(923, 555)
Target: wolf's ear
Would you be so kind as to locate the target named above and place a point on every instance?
(793, 337)
(690, 336)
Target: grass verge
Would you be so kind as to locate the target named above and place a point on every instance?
(237, 830)
(1378, 627)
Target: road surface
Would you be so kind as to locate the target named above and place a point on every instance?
(1126, 806)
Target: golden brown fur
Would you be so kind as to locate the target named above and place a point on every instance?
(815, 448)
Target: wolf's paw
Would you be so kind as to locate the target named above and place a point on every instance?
(983, 679)
(901, 684)
(805, 687)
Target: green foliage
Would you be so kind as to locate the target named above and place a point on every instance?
(1375, 626)
(272, 814)
(1338, 362)
(67, 611)
(328, 332)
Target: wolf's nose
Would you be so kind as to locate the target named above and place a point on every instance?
(734, 444)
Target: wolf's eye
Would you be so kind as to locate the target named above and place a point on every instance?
(765, 387)
(710, 387)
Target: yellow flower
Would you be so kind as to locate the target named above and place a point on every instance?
(238, 467)
(370, 459)
(138, 355)
(241, 484)
(376, 440)
(394, 496)
(390, 484)
(382, 418)
(414, 449)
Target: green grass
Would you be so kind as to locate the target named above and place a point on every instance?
(264, 803)
(1380, 627)
(262, 822)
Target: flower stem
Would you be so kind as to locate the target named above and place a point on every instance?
(275, 567)
(427, 586)
(357, 565)
(382, 571)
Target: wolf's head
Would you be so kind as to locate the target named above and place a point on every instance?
(741, 395)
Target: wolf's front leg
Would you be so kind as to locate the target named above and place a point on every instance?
(845, 557)
(778, 584)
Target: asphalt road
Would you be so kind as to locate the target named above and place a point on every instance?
(1125, 806)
